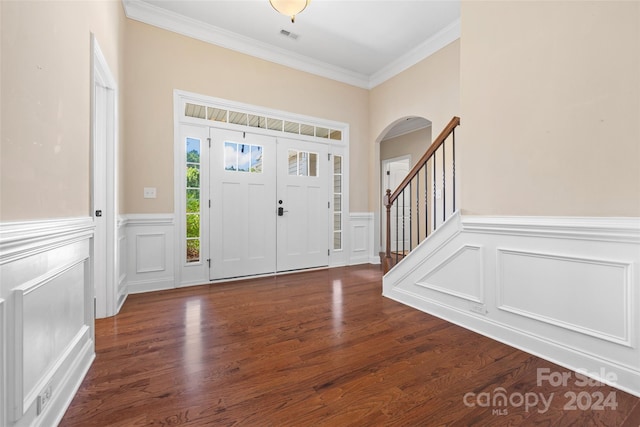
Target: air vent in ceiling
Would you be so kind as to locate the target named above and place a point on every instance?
(289, 34)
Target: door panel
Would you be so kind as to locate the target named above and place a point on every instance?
(303, 188)
(242, 190)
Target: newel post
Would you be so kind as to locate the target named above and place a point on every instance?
(387, 253)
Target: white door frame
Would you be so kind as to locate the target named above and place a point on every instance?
(106, 290)
(197, 273)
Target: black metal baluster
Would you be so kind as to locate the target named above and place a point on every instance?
(435, 217)
(426, 199)
(444, 184)
(453, 168)
(410, 219)
(418, 208)
(403, 224)
(397, 229)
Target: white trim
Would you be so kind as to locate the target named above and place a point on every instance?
(161, 18)
(180, 98)
(147, 13)
(605, 229)
(138, 220)
(441, 39)
(473, 298)
(106, 299)
(26, 238)
(365, 253)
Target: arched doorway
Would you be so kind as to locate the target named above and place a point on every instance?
(398, 147)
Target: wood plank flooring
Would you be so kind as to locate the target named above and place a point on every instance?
(320, 348)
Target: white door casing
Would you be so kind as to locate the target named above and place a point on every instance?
(194, 115)
(103, 183)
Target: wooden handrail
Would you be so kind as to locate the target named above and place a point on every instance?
(455, 121)
(390, 198)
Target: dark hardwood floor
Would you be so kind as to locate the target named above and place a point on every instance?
(320, 348)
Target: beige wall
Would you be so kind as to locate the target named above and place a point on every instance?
(45, 83)
(550, 104)
(414, 144)
(159, 61)
(429, 89)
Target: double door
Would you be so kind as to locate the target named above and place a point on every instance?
(269, 204)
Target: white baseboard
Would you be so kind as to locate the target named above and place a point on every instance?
(564, 289)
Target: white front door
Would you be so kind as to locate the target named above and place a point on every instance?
(269, 208)
(243, 215)
(303, 205)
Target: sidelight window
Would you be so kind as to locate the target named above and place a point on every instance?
(337, 202)
(193, 188)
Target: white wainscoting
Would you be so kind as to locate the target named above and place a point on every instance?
(122, 263)
(565, 289)
(46, 307)
(149, 242)
(361, 239)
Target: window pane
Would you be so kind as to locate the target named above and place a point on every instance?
(337, 221)
(237, 118)
(313, 164)
(193, 201)
(193, 225)
(293, 162)
(193, 250)
(244, 157)
(193, 150)
(217, 115)
(230, 156)
(337, 184)
(335, 135)
(193, 176)
(303, 163)
(256, 158)
(337, 240)
(337, 164)
(322, 132)
(337, 202)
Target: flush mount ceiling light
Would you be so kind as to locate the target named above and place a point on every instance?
(289, 7)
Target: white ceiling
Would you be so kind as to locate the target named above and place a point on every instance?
(359, 42)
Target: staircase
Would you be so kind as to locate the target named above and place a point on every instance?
(424, 199)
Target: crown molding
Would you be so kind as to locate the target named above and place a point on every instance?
(149, 14)
(158, 17)
(442, 38)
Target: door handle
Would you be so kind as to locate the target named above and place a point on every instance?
(281, 211)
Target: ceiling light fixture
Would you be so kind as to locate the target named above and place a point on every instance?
(289, 7)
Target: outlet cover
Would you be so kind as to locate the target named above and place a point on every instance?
(149, 192)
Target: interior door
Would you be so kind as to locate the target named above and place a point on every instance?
(302, 205)
(243, 215)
